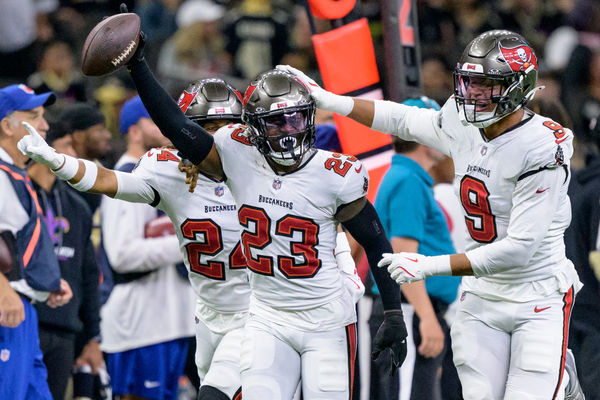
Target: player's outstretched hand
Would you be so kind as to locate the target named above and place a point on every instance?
(407, 267)
(35, 147)
(325, 100)
(138, 56)
(391, 334)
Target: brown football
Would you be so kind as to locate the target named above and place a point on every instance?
(111, 44)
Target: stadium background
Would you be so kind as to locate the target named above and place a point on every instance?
(40, 44)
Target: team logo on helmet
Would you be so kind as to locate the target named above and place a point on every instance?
(185, 100)
(519, 58)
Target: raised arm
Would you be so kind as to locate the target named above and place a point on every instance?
(193, 142)
(85, 175)
(407, 122)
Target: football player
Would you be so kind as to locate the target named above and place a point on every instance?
(511, 331)
(290, 198)
(208, 232)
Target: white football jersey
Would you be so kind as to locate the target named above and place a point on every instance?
(207, 228)
(289, 229)
(512, 187)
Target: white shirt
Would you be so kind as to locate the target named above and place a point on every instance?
(289, 231)
(514, 195)
(156, 308)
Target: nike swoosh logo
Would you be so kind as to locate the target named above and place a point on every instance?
(561, 140)
(537, 310)
(151, 384)
(413, 260)
(358, 169)
(541, 191)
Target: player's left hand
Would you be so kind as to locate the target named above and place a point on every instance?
(409, 267)
(391, 334)
(60, 297)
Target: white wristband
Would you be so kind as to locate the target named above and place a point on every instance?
(89, 177)
(69, 168)
(342, 105)
(439, 265)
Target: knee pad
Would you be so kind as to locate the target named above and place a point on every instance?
(539, 355)
(211, 393)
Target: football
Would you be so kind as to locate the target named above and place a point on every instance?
(111, 44)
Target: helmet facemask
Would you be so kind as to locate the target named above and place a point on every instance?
(481, 100)
(286, 135)
(281, 114)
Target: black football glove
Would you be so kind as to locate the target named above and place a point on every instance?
(391, 334)
(138, 56)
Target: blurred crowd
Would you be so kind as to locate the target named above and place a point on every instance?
(41, 41)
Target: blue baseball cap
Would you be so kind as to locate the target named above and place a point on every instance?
(22, 98)
(422, 102)
(131, 113)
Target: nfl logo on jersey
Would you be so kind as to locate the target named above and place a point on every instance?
(4, 355)
(276, 184)
(219, 191)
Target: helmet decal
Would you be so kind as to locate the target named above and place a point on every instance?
(185, 100)
(211, 99)
(519, 58)
(248, 93)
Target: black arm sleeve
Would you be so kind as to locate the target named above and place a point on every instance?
(192, 141)
(366, 228)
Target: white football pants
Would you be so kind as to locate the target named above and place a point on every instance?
(512, 351)
(276, 357)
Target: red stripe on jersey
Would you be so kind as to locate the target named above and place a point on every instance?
(568, 306)
(351, 340)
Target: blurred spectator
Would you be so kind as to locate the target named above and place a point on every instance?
(34, 274)
(583, 248)
(471, 17)
(91, 139)
(531, 18)
(196, 50)
(257, 35)
(22, 23)
(158, 23)
(149, 314)
(422, 229)
(57, 73)
(71, 332)
(580, 86)
(437, 28)
(437, 79)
